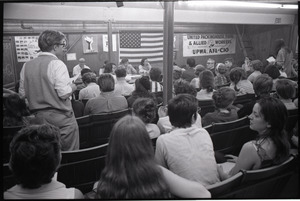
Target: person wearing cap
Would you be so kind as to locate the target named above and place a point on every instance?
(257, 67)
(77, 69)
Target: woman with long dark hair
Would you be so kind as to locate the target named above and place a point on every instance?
(131, 171)
(268, 118)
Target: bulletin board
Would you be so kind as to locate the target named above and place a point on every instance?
(8, 64)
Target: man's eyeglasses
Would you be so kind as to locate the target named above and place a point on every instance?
(63, 45)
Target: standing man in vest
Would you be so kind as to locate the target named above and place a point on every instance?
(46, 84)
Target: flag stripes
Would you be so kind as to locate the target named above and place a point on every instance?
(137, 45)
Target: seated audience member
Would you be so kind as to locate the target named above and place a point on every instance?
(195, 81)
(256, 66)
(180, 87)
(155, 79)
(79, 67)
(269, 61)
(92, 89)
(210, 65)
(102, 68)
(79, 83)
(247, 66)
(285, 90)
(131, 171)
(144, 67)
(221, 79)
(271, 146)
(187, 150)
(35, 157)
(274, 73)
(225, 111)
(107, 101)
(122, 86)
(78, 107)
(145, 109)
(142, 90)
(110, 68)
(129, 68)
(189, 72)
(239, 82)
(229, 63)
(15, 111)
(207, 85)
(262, 87)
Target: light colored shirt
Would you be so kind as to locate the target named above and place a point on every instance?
(204, 95)
(123, 88)
(189, 153)
(196, 82)
(153, 130)
(143, 70)
(92, 90)
(53, 190)
(253, 75)
(165, 125)
(245, 86)
(77, 69)
(104, 103)
(58, 76)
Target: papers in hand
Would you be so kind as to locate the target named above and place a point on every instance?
(74, 78)
(271, 59)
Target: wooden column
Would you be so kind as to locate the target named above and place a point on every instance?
(168, 50)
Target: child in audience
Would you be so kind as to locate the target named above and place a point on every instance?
(207, 85)
(239, 82)
(195, 81)
(131, 171)
(225, 111)
(257, 67)
(285, 90)
(35, 157)
(271, 146)
(145, 109)
(180, 87)
(187, 150)
(262, 87)
(220, 78)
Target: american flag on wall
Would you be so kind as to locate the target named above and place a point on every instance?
(137, 45)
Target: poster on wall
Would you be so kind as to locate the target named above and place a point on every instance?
(26, 47)
(208, 44)
(105, 42)
(90, 43)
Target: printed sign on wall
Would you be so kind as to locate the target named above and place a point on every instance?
(26, 47)
(208, 44)
(105, 42)
(90, 43)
